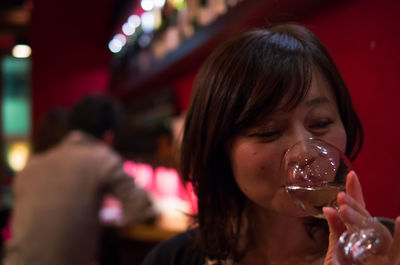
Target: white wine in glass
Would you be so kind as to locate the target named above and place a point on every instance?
(313, 199)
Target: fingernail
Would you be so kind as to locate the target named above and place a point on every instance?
(352, 172)
(325, 210)
(342, 195)
(398, 219)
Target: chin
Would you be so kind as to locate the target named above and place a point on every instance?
(286, 206)
(293, 210)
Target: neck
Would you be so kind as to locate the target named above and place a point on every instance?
(280, 239)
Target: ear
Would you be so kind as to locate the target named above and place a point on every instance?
(108, 138)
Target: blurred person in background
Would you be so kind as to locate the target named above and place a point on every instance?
(52, 128)
(57, 197)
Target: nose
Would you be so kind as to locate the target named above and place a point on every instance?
(298, 163)
(300, 135)
(299, 152)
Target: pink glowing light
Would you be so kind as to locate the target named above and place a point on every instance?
(163, 183)
(192, 198)
(142, 173)
(167, 181)
(129, 168)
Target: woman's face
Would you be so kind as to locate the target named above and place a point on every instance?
(256, 153)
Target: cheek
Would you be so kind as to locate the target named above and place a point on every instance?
(246, 163)
(338, 138)
(256, 171)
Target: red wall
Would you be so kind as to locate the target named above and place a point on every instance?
(363, 38)
(70, 55)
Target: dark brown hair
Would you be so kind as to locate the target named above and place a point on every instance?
(95, 114)
(240, 83)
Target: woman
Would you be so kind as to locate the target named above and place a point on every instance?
(254, 97)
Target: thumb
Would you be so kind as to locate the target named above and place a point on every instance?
(336, 228)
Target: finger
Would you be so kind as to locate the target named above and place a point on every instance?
(353, 188)
(351, 217)
(336, 228)
(345, 199)
(394, 252)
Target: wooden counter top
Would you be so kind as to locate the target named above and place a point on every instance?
(147, 233)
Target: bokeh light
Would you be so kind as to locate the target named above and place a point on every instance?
(21, 51)
(18, 156)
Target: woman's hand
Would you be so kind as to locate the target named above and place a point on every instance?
(352, 212)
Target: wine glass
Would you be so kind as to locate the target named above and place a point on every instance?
(315, 172)
(358, 243)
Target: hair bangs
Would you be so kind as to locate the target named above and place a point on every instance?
(279, 81)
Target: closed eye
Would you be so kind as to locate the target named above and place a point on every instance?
(321, 124)
(268, 134)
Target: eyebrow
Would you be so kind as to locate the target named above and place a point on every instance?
(318, 100)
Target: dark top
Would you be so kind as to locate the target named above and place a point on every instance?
(179, 250)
